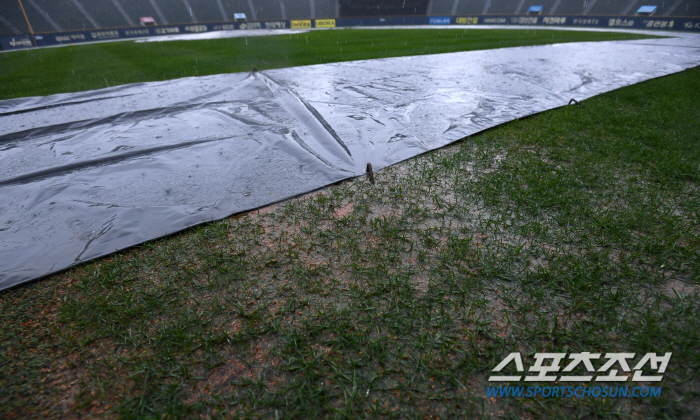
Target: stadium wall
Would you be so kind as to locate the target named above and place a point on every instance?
(616, 22)
(23, 17)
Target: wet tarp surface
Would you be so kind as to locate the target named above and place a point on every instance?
(83, 175)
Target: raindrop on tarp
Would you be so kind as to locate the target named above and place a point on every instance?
(308, 141)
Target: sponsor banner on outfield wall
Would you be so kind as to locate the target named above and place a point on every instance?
(250, 25)
(277, 24)
(301, 24)
(324, 23)
(467, 20)
(15, 42)
(445, 20)
(626, 22)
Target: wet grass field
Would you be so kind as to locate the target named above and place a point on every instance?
(576, 230)
(84, 67)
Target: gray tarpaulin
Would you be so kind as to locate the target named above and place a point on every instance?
(85, 174)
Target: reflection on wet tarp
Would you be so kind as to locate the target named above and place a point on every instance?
(83, 175)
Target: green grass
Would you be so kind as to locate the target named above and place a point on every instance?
(573, 230)
(83, 67)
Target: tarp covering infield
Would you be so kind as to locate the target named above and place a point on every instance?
(85, 174)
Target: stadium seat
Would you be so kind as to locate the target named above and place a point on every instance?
(64, 13)
(612, 7)
(352, 8)
(270, 9)
(679, 8)
(571, 8)
(12, 21)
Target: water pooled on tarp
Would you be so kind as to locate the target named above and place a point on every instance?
(85, 174)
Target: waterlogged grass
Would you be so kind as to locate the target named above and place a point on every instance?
(84, 67)
(575, 230)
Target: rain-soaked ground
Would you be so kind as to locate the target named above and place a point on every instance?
(85, 174)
